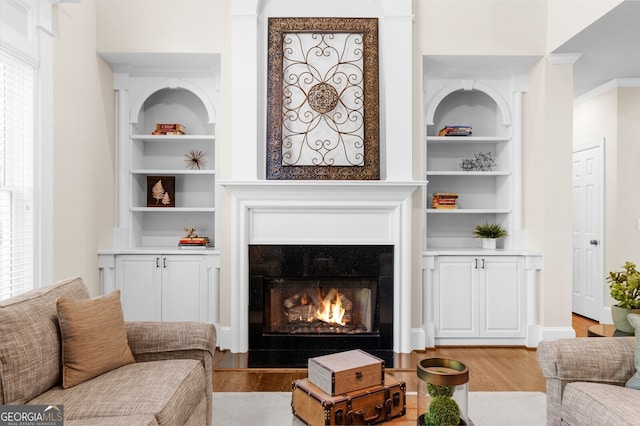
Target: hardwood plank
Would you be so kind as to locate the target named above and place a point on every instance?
(490, 368)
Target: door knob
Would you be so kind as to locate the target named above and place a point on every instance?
(593, 242)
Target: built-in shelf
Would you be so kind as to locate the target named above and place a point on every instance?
(467, 139)
(173, 138)
(464, 173)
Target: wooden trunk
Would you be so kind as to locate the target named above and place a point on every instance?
(371, 405)
(346, 371)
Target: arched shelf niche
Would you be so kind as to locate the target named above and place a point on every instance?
(174, 101)
(469, 103)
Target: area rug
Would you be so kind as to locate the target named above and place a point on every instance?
(274, 409)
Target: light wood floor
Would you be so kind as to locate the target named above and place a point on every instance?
(490, 368)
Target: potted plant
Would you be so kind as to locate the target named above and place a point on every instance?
(489, 232)
(625, 288)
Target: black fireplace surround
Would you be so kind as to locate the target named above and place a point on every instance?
(288, 283)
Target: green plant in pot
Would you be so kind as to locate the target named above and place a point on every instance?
(489, 232)
(443, 409)
(625, 288)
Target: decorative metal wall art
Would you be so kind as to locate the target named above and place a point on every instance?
(322, 112)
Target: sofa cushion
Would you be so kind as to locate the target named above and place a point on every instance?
(585, 403)
(168, 389)
(634, 381)
(94, 337)
(30, 343)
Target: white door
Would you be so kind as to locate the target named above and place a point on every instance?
(588, 230)
(502, 309)
(138, 278)
(184, 288)
(456, 295)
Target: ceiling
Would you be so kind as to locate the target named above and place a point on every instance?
(610, 48)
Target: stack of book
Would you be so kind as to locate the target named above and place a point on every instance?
(444, 200)
(193, 242)
(456, 131)
(169, 129)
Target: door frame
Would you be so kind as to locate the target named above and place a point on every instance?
(598, 144)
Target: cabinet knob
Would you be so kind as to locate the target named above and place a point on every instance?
(594, 242)
(157, 262)
(164, 262)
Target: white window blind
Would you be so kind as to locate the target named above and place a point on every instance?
(16, 175)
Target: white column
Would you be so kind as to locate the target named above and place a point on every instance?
(396, 91)
(121, 88)
(244, 90)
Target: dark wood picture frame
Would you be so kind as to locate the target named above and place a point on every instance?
(275, 167)
(161, 191)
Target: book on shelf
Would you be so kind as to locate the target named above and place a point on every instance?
(456, 131)
(444, 200)
(194, 242)
(169, 129)
(193, 246)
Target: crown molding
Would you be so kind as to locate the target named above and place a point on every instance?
(616, 83)
(563, 58)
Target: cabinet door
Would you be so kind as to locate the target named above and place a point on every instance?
(455, 310)
(501, 302)
(184, 288)
(138, 278)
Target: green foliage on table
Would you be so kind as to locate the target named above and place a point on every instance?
(443, 411)
(625, 286)
(440, 390)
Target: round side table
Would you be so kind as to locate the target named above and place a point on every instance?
(605, 330)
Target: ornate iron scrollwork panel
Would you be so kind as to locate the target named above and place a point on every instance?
(322, 99)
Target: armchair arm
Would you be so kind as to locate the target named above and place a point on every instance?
(151, 337)
(154, 341)
(596, 359)
(592, 359)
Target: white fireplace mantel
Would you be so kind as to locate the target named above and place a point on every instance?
(320, 212)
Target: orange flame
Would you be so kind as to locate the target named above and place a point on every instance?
(330, 309)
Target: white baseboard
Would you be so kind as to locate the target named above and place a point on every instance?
(224, 337)
(557, 333)
(418, 339)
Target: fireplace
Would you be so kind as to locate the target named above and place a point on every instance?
(310, 300)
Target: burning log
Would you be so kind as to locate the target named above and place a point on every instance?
(335, 307)
(301, 299)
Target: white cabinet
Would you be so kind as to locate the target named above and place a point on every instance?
(163, 287)
(479, 297)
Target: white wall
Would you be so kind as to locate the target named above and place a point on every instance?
(83, 132)
(83, 138)
(612, 114)
(568, 17)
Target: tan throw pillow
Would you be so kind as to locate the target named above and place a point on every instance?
(94, 337)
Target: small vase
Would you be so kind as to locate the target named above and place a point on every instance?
(619, 317)
(489, 243)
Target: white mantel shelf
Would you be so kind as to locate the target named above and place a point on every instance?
(320, 184)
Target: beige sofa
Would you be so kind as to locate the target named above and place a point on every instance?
(585, 381)
(169, 382)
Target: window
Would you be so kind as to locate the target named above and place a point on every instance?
(16, 175)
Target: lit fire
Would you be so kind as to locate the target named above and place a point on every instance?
(330, 308)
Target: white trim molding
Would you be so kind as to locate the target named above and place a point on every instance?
(351, 212)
